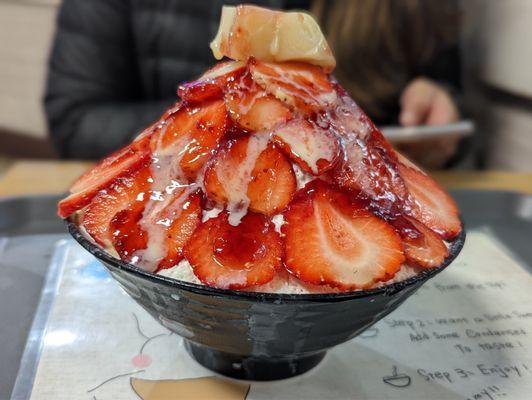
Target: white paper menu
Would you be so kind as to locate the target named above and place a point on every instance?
(466, 334)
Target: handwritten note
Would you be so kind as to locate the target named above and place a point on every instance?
(466, 334)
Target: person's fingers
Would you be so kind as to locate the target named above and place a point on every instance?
(425, 102)
(416, 102)
(442, 110)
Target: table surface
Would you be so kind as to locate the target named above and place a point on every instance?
(27, 177)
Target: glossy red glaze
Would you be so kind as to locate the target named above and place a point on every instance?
(127, 235)
(124, 193)
(182, 225)
(235, 257)
(369, 164)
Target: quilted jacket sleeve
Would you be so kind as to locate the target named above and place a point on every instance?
(94, 102)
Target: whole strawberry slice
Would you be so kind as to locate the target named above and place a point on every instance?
(235, 257)
(431, 205)
(120, 163)
(248, 171)
(303, 86)
(212, 83)
(189, 137)
(331, 240)
(252, 108)
(313, 148)
(126, 192)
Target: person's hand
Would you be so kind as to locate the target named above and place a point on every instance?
(424, 102)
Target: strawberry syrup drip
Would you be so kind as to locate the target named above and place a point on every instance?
(240, 245)
(128, 235)
(170, 191)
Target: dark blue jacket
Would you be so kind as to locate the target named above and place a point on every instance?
(116, 64)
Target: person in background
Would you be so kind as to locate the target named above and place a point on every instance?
(116, 64)
(400, 61)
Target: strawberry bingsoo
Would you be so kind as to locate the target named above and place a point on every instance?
(266, 176)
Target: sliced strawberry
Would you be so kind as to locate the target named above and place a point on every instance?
(314, 149)
(118, 164)
(124, 193)
(128, 237)
(74, 202)
(152, 234)
(303, 86)
(427, 250)
(189, 138)
(431, 205)
(330, 240)
(110, 167)
(250, 172)
(226, 72)
(235, 257)
(160, 123)
(212, 83)
(273, 182)
(183, 219)
(407, 162)
(155, 238)
(369, 164)
(254, 109)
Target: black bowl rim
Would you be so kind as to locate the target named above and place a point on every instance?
(455, 247)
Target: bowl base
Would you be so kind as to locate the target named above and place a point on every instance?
(252, 368)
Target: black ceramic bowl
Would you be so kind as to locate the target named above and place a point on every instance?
(258, 336)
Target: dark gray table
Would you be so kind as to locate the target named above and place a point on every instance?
(29, 230)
